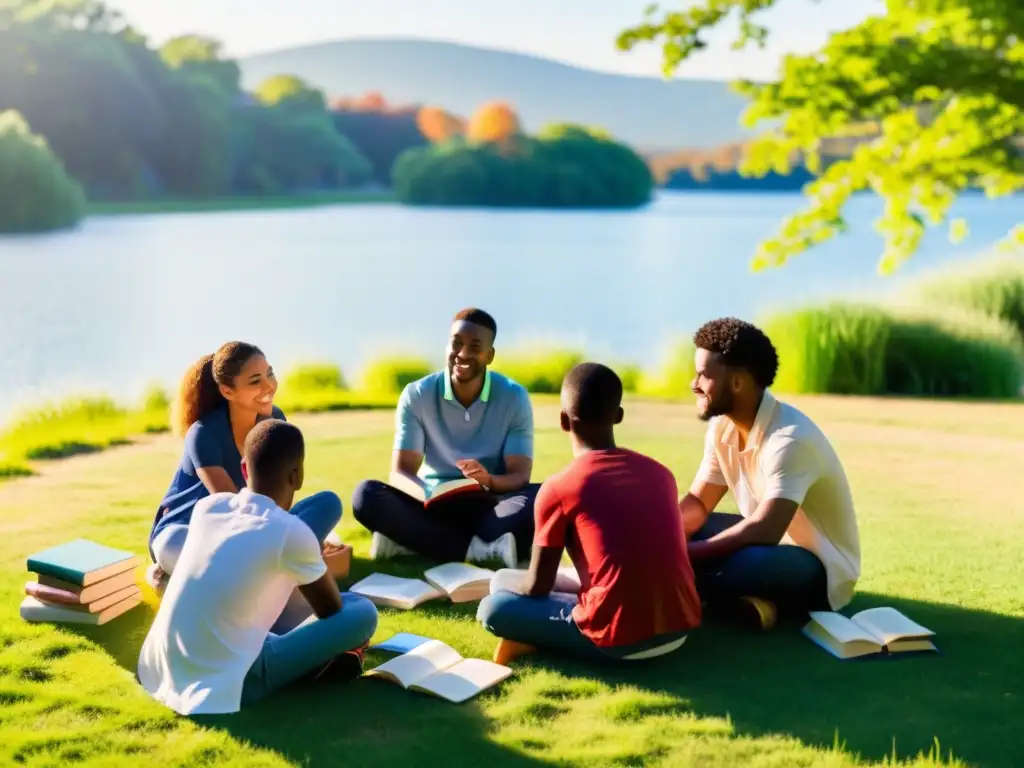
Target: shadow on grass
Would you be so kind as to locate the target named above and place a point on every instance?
(969, 698)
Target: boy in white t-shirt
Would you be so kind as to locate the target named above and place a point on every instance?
(795, 546)
(211, 649)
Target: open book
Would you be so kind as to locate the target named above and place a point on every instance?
(439, 670)
(442, 492)
(461, 582)
(871, 632)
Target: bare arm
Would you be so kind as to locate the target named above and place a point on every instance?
(698, 503)
(517, 474)
(766, 526)
(407, 463)
(544, 563)
(322, 595)
(216, 480)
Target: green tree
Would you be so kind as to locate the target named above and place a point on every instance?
(942, 79)
(290, 91)
(36, 193)
(201, 57)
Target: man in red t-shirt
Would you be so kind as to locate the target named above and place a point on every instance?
(616, 512)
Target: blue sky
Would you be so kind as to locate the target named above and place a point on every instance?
(580, 32)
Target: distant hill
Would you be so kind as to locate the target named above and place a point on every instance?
(649, 113)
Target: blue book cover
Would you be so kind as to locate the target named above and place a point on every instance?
(81, 562)
(403, 642)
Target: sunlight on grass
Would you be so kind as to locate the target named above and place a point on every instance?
(67, 695)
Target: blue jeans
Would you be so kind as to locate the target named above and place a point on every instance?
(292, 655)
(321, 512)
(790, 576)
(546, 622)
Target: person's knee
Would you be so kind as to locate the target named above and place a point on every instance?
(329, 506)
(360, 613)
(364, 499)
(167, 547)
(494, 610)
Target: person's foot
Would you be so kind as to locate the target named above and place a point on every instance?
(757, 613)
(502, 548)
(156, 578)
(382, 548)
(510, 650)
(343, 667)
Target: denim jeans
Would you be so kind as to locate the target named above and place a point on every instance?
(547, 622)
(294, 654)
(790, 576)
(321, 512)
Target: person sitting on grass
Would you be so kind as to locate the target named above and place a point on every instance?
(465, 421)
(794, 546)
(616, 512)
(220, 399)
(217, 642)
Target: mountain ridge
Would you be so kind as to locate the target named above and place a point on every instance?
(650, 113)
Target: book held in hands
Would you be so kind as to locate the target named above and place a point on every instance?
(81, 582)
(437, 669)
(873, 632)
(450, 490)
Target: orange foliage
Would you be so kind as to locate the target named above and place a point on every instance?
(437, 125)
(495, 121)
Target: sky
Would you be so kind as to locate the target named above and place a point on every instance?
(580, 32)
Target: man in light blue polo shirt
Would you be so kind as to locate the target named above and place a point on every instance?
(464, 421)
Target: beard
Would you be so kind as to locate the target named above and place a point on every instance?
(719, 406)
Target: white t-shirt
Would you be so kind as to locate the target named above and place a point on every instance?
(788, 457)
(242, 560)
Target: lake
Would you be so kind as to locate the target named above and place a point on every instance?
(124, 301)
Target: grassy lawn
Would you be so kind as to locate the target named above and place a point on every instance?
(942, 526)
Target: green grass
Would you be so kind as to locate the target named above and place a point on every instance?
(213, 205)
(993, 286)
(867, 349)
(941, 522)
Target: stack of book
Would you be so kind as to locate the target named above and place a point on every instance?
(81, 582)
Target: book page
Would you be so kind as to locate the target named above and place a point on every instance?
(842, 629)
(464, 680)
(419, 663)
(413, 487)
(394, 589)
(888, 624)
(451, 576)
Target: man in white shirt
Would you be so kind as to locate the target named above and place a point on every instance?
(211, 649)
(795, 546)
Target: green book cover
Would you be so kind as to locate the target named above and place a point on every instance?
(76, 559)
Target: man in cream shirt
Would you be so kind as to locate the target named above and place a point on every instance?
(795, 546)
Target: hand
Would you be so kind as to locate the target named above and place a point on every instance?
(474, 470)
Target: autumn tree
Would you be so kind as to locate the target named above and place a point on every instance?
(290, 91)
(495, 122)
(943, 81)
(438, 125)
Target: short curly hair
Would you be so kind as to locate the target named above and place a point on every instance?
(740, 345)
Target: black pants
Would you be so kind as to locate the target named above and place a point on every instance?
(791, 577)
(445, 534)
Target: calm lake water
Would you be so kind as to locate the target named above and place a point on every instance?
(127, 300)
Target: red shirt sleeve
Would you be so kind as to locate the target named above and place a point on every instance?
(550, 518)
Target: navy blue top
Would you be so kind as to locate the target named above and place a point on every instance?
(209, 442)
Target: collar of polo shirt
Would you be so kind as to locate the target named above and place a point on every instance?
(485, 393)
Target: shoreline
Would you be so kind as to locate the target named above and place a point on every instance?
(240, 203)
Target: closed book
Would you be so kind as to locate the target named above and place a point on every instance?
(38, 611)
(93, 591)
(71, 601)
(82, 562)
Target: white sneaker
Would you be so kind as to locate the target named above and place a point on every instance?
(502, 548)
(381, 548)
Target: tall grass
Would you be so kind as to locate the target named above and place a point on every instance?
(539, 369)
(864, 349)
(674, 374)
(390, 375)
(993, 286)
